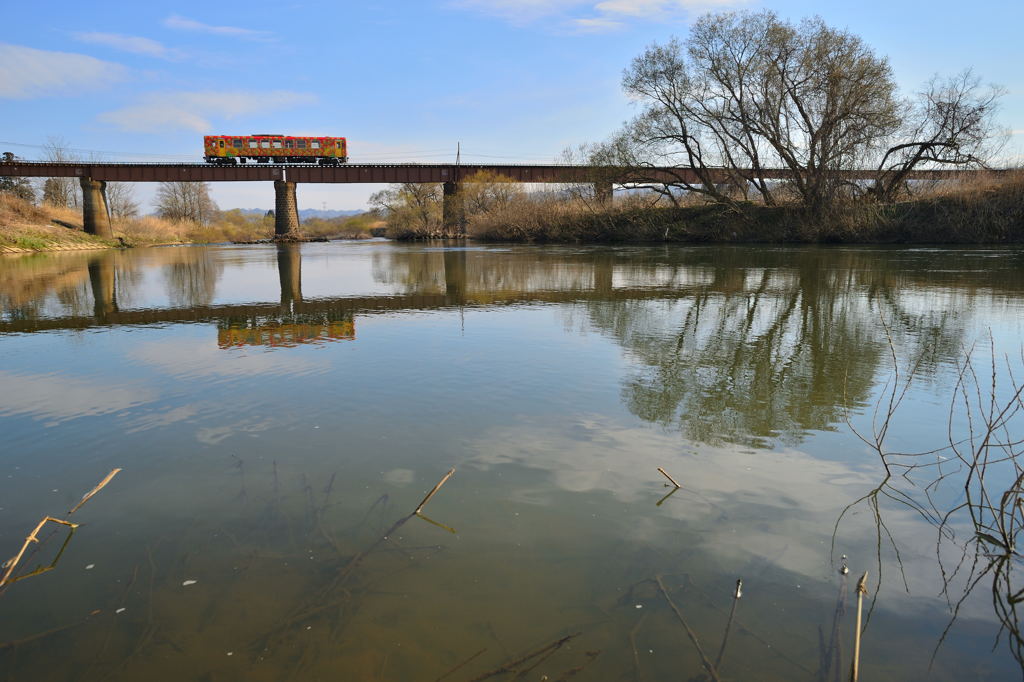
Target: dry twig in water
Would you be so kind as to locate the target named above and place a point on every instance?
(665, 474)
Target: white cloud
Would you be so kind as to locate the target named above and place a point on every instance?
(133, 44)
(197, 110)
(28, 72)
(604, 16)
(661, 9)
(185, 24)
(519, 11)
(596, 25)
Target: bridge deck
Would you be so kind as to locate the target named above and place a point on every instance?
(391, 173)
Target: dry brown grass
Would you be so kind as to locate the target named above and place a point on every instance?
(25, 226)
(981, 209)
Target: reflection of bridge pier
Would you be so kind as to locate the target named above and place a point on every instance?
(603, 275)
(101, 279)
(455, 275)
(289, 269)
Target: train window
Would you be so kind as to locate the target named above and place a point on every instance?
(314, 145)
(289, 144)
(265, 145)
(301, 144)
(222, 144)
(253, 144)
(277, 144)
(238, 144)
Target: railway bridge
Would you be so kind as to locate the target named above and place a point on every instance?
(93, 178)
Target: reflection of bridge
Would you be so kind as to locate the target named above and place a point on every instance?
(93, 178)
(322, 313)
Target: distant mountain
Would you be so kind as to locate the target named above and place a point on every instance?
(306, 213)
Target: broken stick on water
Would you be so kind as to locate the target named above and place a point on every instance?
(434, 491)
(665, 474)
(33, 536)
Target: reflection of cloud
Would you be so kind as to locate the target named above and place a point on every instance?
(199, 359)
(29, 73)
(163, 418)
(215, 434)
(400, 476)
(746, 506)
(194, 110)
(59, 398)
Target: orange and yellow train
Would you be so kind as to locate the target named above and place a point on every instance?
(274, 149)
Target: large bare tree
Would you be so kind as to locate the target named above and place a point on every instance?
(748, 91)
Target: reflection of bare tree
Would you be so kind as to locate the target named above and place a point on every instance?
(971, 490)
(192, 279)
(767, 349)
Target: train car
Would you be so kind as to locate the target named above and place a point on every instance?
(231, 149)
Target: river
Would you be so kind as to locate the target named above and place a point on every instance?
(278, 413)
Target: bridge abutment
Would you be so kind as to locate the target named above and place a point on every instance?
(453, 214)
(95, 216)
(286, 210)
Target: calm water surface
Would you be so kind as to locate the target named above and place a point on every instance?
(278, 411)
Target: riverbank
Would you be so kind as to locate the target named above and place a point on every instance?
(984, 212)
(26, 228)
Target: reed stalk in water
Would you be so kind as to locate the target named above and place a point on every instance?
(705, 661)
(728, 626)
(861, 591)
(433, 492)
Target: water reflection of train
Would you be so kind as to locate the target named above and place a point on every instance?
(275, 332)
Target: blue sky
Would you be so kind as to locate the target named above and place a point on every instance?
(511, 80)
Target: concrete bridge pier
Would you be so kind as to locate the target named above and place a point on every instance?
(603, 192)
(95, 216)
(101, 280)
(453, 216)
(289, 269)
(286, 211)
